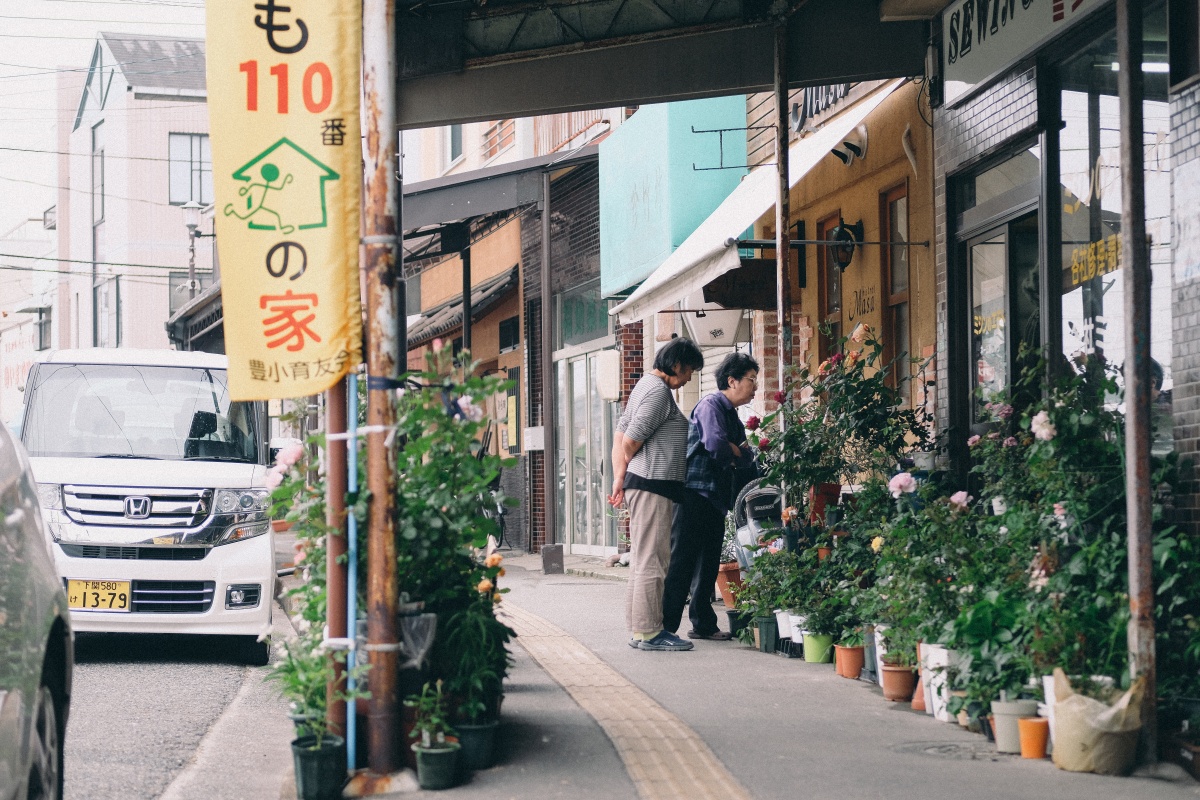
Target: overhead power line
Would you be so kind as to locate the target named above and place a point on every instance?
(89, 262)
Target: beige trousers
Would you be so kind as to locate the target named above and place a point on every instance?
(649, 554)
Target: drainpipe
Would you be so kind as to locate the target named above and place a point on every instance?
(381, 240)
(335, 571)
(466, 297)
(1135, 256)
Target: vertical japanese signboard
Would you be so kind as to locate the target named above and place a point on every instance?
(283, 98)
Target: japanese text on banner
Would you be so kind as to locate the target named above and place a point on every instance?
(283, 89)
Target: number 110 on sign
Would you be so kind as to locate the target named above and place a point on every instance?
(316, 86)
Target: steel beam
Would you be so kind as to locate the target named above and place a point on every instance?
(381, 227)
(549, 471)
(1135, 257)
(706, 63)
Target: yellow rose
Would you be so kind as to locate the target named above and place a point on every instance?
(877, 543)
(500, 573)
(484, 586)
(493, 560)
(496, 597)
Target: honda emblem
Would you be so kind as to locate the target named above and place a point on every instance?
(137, 507)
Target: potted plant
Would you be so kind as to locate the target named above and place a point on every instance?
(729, 573)
(762, 593)
(437, 751)
(849, 654)
(303, 673)
(899, 677)
(480, 643)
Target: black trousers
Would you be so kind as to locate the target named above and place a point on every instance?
(697, 532)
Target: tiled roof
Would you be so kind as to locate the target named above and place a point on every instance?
(446, 317)
(165, 62)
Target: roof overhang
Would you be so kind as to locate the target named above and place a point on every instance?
(471, 60)
(707, 254)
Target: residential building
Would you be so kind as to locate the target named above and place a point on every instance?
(28, 283)
(134, 152)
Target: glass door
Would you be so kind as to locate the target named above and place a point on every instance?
(585, 459)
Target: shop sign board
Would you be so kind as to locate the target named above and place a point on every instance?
(982, 38)
(283, 101)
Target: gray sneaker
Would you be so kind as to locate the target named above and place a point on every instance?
(635, 644)
(666, 641)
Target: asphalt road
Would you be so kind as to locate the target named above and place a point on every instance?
(143, 705)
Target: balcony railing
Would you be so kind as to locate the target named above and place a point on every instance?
(553, 132)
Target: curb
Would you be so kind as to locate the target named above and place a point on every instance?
(585, 573)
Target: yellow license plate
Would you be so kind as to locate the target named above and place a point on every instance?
(98, 595)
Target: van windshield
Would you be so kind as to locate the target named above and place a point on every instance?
(119, 411)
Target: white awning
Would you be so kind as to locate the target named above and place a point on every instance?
(704, 256)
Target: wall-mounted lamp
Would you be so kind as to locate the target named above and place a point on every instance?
(843, 239)
(853, 146)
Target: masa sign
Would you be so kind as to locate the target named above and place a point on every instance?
(981, 38)
(283, 89)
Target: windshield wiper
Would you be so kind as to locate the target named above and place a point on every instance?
(128, 455)
(235, 459)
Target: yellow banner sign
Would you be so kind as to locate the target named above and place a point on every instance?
(283, 99)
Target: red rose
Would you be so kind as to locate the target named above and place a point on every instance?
(835, 358)
(779, 397)
(753, 423)
(764, 443)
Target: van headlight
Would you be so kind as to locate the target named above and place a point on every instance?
(242, 501)
(50, 496)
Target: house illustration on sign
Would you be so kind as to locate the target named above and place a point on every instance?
(284, 191)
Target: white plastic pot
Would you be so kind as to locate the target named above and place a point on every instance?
(783, 622)
(880, 650)
(798, 622)
(935, 660)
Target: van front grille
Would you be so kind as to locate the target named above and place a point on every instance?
(132, 506)
(135, 553)
(172, 597)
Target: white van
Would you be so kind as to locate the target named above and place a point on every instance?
(152, 485)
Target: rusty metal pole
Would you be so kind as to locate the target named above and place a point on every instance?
(550, 487)
(381, 226)
(783, 278)
(1135, 259)
(335, 571)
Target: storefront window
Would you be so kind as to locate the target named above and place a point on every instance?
(895, 229)
(583, 315)
(1093, 282)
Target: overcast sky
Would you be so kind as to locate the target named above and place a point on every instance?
(37, 39)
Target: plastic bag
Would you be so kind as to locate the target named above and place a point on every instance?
(1091, 736)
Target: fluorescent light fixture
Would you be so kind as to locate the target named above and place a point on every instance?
(1147, 66)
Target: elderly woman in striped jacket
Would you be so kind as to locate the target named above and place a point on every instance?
(649, 466)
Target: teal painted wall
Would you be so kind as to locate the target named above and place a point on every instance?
(651, 198)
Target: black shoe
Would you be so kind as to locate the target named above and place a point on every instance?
(716, 636)
(666, 641)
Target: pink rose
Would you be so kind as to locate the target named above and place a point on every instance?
(1060, 510)
(902, 483)
(993, 435)
(273, 478)
(1010, 442)
(961, 500)
(974, 440)
(289, 455)
(1042, 427)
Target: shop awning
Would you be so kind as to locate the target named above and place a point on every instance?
(704, 256)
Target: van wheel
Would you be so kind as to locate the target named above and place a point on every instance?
(46, 758)
(255, 653)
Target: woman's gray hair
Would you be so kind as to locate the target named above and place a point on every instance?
(678, 353)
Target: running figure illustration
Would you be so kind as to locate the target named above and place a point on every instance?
(256, 197)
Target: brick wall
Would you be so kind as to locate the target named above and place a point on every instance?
(574, 260)
(962, 136)
(765, 343)
(1185, 338)
(630, 344)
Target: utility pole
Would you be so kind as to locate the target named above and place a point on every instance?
(381, 240)
(783, 251)
(1135, 260)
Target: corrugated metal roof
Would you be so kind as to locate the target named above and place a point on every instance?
(164, 62)
(446, 317)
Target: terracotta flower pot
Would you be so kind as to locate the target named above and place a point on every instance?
(280, 525)
(898, 683)
(729, 575)
(823, 553)
(850, 661)
(918, 698)
(820, 496)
